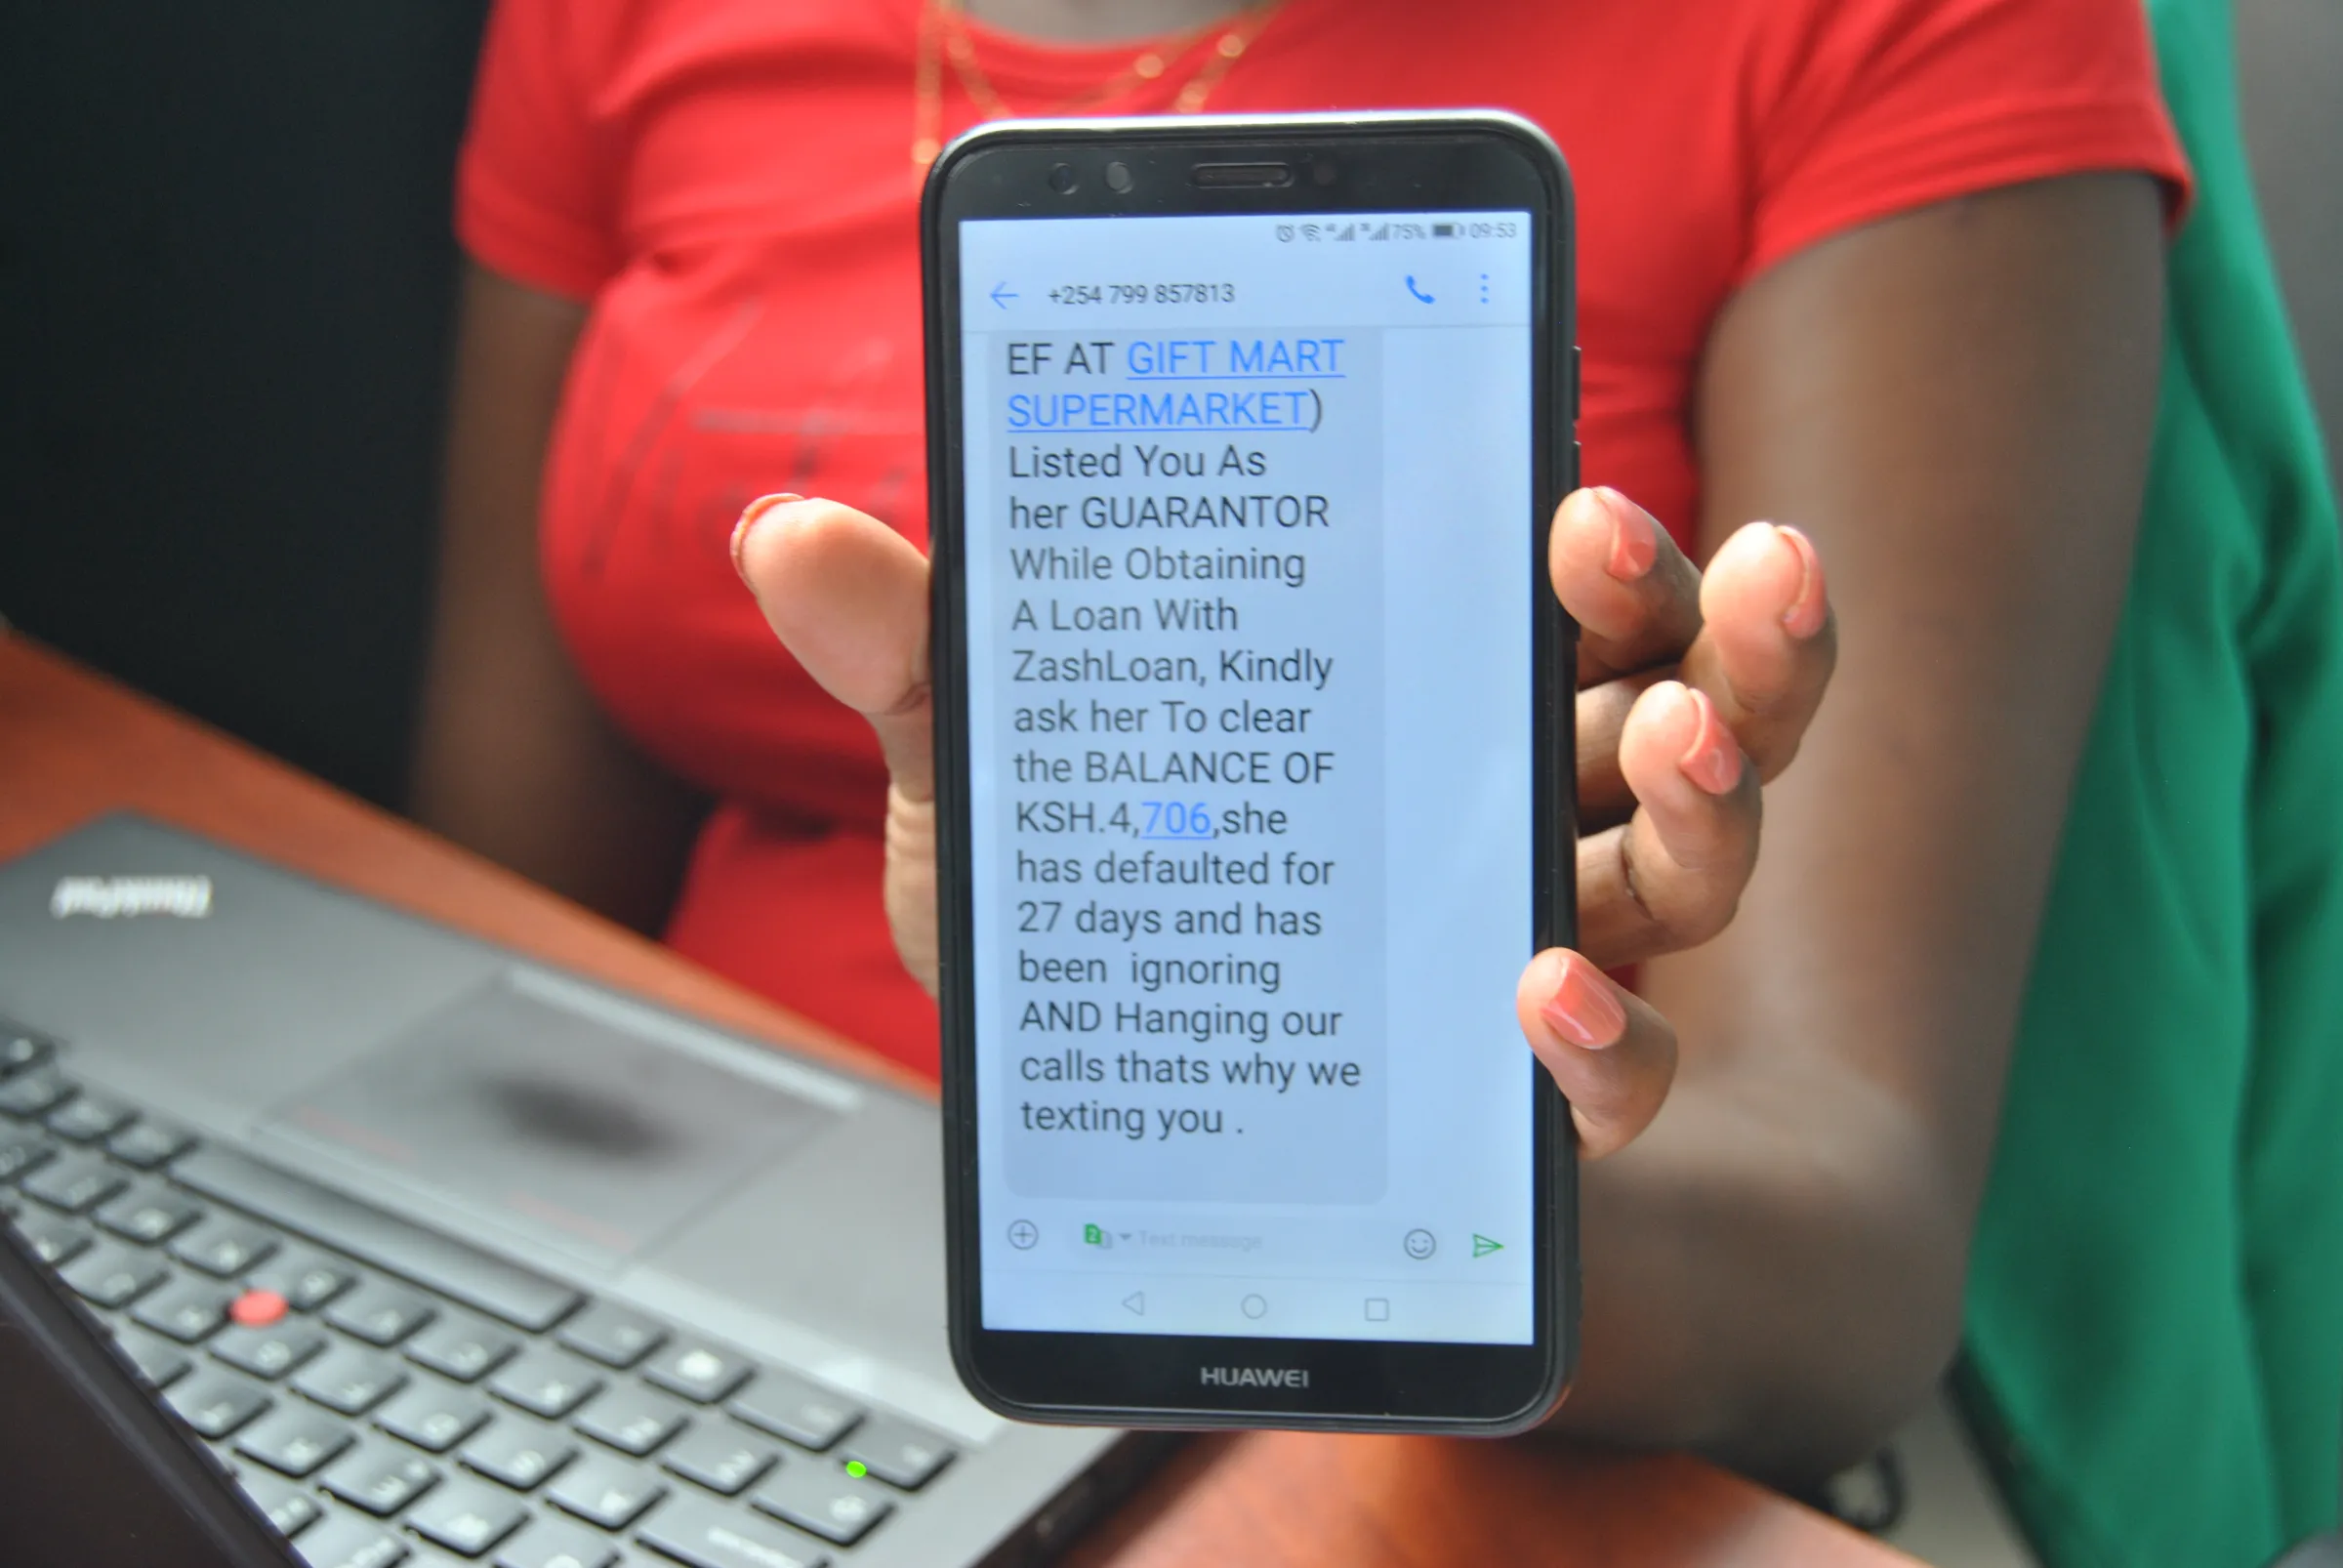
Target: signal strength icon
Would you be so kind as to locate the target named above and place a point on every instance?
(1381, 231)
(1348, 231)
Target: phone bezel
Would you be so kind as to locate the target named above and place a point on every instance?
(1382, 162)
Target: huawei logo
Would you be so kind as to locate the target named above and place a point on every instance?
(121, 897)
(1255, 1377)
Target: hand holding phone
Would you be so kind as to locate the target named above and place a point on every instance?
(1038, 1333)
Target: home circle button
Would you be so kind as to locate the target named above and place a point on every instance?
(1252, 1306)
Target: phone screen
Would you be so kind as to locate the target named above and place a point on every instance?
(1249, 577)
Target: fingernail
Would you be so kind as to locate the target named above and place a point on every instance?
(747, 519)
(1713, 759)
(1812, 602)
(1633, 544)
(1582, 1008)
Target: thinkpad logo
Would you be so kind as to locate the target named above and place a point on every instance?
(121, 897)
(1255, 1377)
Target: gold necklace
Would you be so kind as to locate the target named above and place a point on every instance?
(944, 36)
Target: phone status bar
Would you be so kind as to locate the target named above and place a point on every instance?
(1383, 231)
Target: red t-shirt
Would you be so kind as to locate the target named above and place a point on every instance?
(730, 184)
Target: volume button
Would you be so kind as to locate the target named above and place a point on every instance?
(1574, 384)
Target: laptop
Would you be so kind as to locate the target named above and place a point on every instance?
(450, 1256)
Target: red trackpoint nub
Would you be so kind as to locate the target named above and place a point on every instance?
(258, 1309)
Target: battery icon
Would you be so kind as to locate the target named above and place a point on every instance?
(1444, 231)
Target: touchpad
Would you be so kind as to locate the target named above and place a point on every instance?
(566, 1117)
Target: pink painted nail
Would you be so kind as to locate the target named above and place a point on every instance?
(747, 519)
(1634, 546)
(1582, 1008)
(1713, 759)
(1812, 601)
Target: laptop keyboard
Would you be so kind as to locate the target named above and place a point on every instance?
(390, 1395)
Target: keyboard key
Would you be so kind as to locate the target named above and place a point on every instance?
(612, 1335)
(547, 1383)
(556, 1543)
(351, 1380)
(223, 1246)
(807, 1414)
(897, 1452)
(87, 1118)
(189, 1311)
(271, 1352)
(633, 1419)
(606, 1492)
(149, 1215)
(146, 1145)
(422, 1554)
(345, 1542)
(381, 1314)
(306, 1279)
(290, 1509)
(55, 1240)
(468, 1517)
(110, 1274)
(217, 1402)
(816, 1497)
(462, 1346)
(23, 1048)
(295, 1441)
(723, 1458)
(697, 1372)
(709, 1535)
(20, 1150)
(381, 1477)
(34, 1093)
(502, 1290)
(519, 1453)
(75, 1184)
(159, 1361)
(434, 1415)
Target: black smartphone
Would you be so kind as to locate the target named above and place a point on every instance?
(1255, 765)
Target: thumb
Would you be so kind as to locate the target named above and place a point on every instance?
(848, 596)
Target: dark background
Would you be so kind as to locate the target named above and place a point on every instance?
(225, 273)
(225, 276)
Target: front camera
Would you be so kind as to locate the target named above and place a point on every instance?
(1064, 180)
(1118, 177)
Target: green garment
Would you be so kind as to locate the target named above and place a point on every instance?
(2153, 1348)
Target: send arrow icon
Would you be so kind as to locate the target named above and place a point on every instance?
(1482, 1246)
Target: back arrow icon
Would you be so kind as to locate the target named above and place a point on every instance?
(1136, 1300)
(1002, 294)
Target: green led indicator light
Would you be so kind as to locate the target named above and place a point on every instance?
(857, 1469)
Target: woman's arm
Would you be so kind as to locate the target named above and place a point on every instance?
(515, 759)
(1956, 405)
